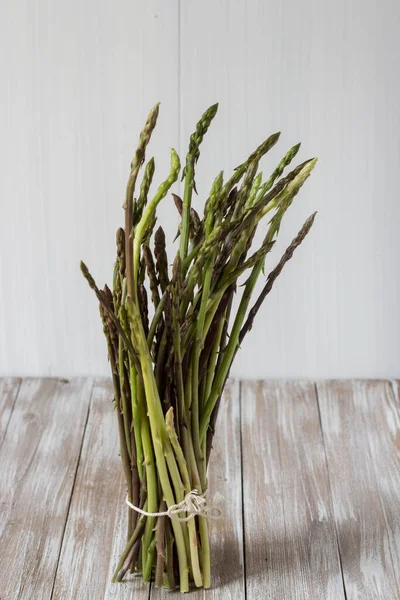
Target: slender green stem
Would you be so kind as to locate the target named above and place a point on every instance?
(151, 481)
(148, 213)
(188, 389)
(124, 402)
(187, 200)
(134, 537)
(229, 351)
(121, 431)
(192, 157)
(180, 457)
(170, 555)
(197, 347)
(160, 540)
(155, 321)
(136, 419)
(212, 361)
(159, 437)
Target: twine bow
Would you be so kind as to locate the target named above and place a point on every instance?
(193, 503)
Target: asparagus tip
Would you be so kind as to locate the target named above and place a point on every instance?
(296, 148)
(87, 275)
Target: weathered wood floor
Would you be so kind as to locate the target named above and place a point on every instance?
(310, 473)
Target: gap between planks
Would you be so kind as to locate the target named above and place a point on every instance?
(290, 542)
(39, 457)
(330, 492)
(72, 489)
(9, 389)
(291, 492)
(361, 425)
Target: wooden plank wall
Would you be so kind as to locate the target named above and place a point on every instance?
(78, 79)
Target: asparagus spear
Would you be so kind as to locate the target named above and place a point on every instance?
(169, 368)
(188, 172)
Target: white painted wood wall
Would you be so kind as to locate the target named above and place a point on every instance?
(77, 80)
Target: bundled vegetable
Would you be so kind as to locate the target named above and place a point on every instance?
(172, 337)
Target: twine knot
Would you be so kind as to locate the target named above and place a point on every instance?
(193, 503)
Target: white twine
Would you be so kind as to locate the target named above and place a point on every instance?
(193, 503)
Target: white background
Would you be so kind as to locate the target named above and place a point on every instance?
(77, 80)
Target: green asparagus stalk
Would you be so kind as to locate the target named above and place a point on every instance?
(188, 173)
(149, 212)
(170, 357)
(160, 540)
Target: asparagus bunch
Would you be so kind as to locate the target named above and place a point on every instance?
(172, 337)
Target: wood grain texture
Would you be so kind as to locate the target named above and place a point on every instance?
(306, 496)
(290, 541)
(227, 533)
(96, 529)
(382, 419)
(78, 79)
(9, 387)
(79, 83)
(360, 423)
(38, 461)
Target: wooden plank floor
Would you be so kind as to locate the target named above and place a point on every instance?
(310, 474)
